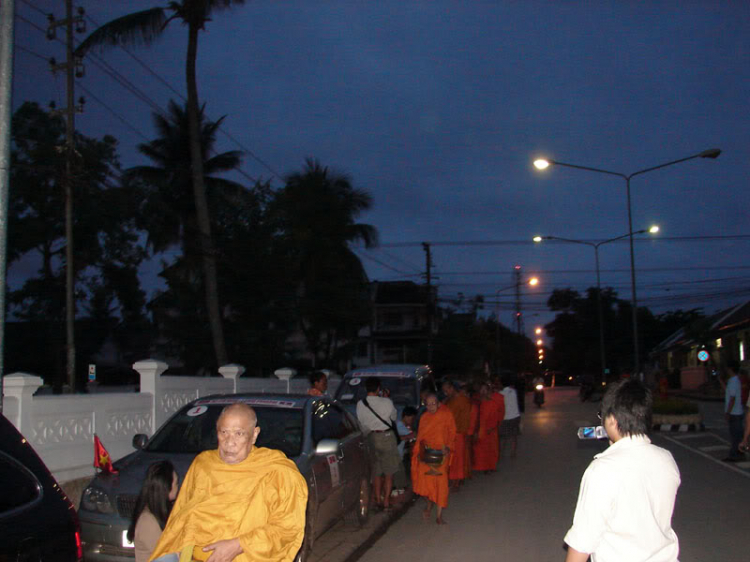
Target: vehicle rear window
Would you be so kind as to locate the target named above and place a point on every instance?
(20, 487)
(401, 390)
(280, 428)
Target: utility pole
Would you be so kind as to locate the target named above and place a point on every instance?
(428, 275)
(73, 68)
(7, 12)
(519, 317)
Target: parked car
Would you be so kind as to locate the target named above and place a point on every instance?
(37, 520)
(403, 383)
(317, 433)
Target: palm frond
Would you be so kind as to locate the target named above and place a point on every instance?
(133, 29)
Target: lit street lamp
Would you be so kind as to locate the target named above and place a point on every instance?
(652, 230)
(543, 164)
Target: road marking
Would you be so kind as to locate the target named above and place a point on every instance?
(709, 457)
(714, 448)
(690, 435)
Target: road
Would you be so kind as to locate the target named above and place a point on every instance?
(523, 511)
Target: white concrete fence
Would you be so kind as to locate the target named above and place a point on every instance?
(61, 428)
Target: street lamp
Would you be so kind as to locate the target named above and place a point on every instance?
(651, 230)
(532, 282)
(543, 164)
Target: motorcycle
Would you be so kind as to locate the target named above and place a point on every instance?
(539, 395)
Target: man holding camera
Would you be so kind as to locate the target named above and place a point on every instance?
(627, 493)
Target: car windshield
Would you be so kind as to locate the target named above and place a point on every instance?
(401, 390)
(193, 430)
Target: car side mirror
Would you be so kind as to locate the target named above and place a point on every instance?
(140, 440)
(327, 447)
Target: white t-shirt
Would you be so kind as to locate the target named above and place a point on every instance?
(385, 409)
(734, 388)
(625, 504)
(511, 403)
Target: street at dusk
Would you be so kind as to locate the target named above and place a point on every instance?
(523, 511)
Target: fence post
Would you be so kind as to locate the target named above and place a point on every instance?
(150, 371)
(21, 387)
(232, 371)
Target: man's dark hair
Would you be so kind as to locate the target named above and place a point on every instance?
(733, 365)
(630, 403)
(372, 384)
(315, 376)
(409, 411)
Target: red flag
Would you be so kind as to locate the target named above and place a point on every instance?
(102, 460)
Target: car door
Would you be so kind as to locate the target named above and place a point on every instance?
(326, 468)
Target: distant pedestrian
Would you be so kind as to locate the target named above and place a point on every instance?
(627, 494)
(318, 384)
(511, 425)
(733, 411)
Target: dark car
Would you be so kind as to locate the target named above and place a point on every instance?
(37, 520)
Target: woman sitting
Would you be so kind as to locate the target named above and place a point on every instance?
(152, 508)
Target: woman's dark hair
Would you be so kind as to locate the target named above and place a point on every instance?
(315, 376)
(630, 403)
(154, 495)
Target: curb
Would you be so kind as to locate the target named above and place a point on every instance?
(679, 427)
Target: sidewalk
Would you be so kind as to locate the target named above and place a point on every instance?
(346, 543)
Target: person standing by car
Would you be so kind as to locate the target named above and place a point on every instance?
(152, 508)
(627, 493)
(318, 384)
(377, 416)
(238, 501)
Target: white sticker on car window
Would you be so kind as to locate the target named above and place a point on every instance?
(197, 411)
(354, 382)
(333, 466)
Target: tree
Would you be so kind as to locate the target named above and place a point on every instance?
(172, 219)
(108, 254)
(144, 27)
(315, 213)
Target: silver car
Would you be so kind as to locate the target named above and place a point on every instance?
(317, 433)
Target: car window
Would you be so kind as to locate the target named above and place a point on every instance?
(20, 487)
(191, 432)
(402, 391)
(329, 421)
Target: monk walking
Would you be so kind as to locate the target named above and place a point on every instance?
(437, 431)
(486, 448)
(460, 407)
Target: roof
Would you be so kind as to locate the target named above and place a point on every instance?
(256, 399)
(405, 370)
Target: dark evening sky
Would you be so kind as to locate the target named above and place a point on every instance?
(438, 109)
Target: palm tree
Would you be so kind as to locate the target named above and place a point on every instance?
(169, 217)
(144, 27)
(316, 211)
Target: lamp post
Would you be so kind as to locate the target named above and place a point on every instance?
(533, 282)
(543, 164)
(595, 245)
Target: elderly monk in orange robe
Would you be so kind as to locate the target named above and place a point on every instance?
(486, 449)
(237, 502)
(437, 430)
(460, 407)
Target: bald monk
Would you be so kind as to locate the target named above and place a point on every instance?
(486, 448)
(460, 407)
(238, 502)
(437, 430)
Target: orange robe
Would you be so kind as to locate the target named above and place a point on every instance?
(460, 407)
(472, 433)
(486, 446)
(261, 501)
(436, 431)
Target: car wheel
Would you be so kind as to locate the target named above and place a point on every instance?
(361, 511)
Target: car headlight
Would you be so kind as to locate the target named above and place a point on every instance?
(94, 499)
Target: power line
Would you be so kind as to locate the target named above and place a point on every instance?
(531, 242)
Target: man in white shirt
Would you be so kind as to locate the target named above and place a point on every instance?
(627, 494)
(733, 411)
(377, 416)
(511, 426)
